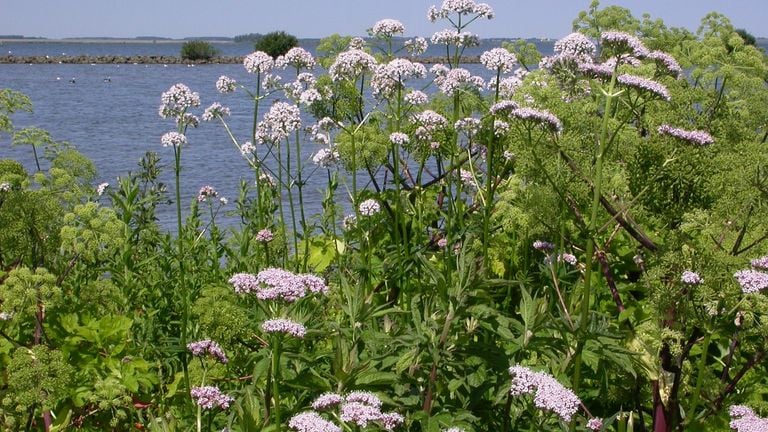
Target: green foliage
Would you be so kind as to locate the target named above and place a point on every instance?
(10, 102)
(595, 20)
(91, 232)
(24, 291)
(198, 50)
(248, 37)
(276, 43)
(38, 378)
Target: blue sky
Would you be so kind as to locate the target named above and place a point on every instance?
(318, 18)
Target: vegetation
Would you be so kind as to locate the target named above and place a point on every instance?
(198, 50)
(248, 37)
(579, 247)
(276, 43)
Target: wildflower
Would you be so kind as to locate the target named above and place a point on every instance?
(543, 246)
(356, 43)
(751, 281)
(442, 243)
(359, 413)
(311, 421)
(691, 278)
(507, 86)
(595, 424)
(206, 192)
(264, 236)
(350, 64)
(498, 59)
(188, 120)
(667, 63)
(99, 189)
(6, 187)
(369, 207)
(549, 394)
(225, 84)
(543, 118)
(271, 81)
(416, 46)
(6, 316)
(398, 138)
(388, 78)
(576, 45)
(760, 263)
(430, 122)
(568, 258)
(247, 148)
(416, 97)
(258, 62)
(365, 397)
(468, 179)
(597, 70)
(266, 180)
(327, 400)
(457, 78)
(207, 346)
(325, 157)
(387, 28)
(390, 420)
(454, 37)
(278, 284)
(500, 128)
(175, 101)
(644, 84)
(453, 429)
(349, 222)
(279, 122)
(503, 107)
(297, 57)
(173, 139)
(244, 283)
(461, 7)
(208, 397)
(624, 43)
(743, 419)
(281, 325)
(215, 110)
(223, 201)
(696, 137)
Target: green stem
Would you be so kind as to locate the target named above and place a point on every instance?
(696, 397)
(590, 249)
(300, 184)
(182, 284)
(276, 381)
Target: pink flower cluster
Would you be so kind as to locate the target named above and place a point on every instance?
(751, 281)
(624, 43)
(225, 84)
(264, 236)
(369, 207)
(398, 138)
(576, 45)
(743, 419)
(286, 326)
(311, 421)
(351, 64)
(173, 139)
(360, 408)
(278, 284)
(175, 102)
(388, 78)
(325, 157)
(595, 424)
(206, 192)
(429, 122)
(450, 82)
(667, 63)
(297, 57)
(461, 7)
(644, 84)
(548, 394)
(691, 278)
(498, 59)
(454, 37)
(503, 107)
(282, 119)
(387, 28)
(416, 46)
(207, 347)
(696, 137)
(258, 62)
(540, 117)
(542, 245)
(209, 397)
(216, 110)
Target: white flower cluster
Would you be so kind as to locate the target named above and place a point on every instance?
(387, 28)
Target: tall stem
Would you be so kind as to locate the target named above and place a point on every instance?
(590, 249)
(276, 381)
(182, 284)
(300, 184)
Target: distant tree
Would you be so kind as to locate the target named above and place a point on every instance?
(198, 50)
(749, 39)
(276, 43)
(248, 37)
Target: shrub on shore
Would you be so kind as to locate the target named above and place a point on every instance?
(198, 50)
(276, 43)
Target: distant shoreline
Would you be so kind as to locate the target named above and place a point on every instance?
(113, 41)
(165, 60)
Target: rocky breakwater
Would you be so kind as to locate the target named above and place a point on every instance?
(114, 59)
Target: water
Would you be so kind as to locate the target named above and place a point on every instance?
(115, 121)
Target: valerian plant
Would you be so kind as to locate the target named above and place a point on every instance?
(570, 241)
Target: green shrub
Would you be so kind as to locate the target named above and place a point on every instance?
(276, 43)
(198, 50)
